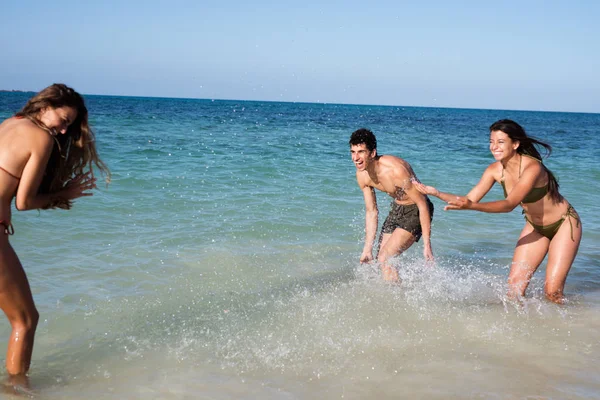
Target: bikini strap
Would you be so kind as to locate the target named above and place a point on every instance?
(520, 161)
(10, 174)
(572, 213)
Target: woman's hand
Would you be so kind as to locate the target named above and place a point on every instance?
(460, 203)
(79, 186)
(429, 190)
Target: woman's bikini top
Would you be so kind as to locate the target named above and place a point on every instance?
(8, 172)
(535, 194)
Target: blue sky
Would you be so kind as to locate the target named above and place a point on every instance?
(525, 55)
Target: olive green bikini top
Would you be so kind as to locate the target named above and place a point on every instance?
(535, 194)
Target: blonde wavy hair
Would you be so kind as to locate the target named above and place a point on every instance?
(75, 151)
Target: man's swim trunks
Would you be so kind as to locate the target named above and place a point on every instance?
(405, 217)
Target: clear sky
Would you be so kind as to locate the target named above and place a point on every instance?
(525, 55)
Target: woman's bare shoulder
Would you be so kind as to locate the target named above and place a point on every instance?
(531, 163)
(24, 130)
(494, 170)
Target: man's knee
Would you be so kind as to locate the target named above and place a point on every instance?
(382, 257)
(385, 254)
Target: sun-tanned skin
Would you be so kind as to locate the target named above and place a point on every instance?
(521, 174)
(393, 176)
(27, 142)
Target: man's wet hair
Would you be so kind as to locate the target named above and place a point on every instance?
(365, 136)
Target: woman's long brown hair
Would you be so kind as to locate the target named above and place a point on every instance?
(75, 151)
(527, 146)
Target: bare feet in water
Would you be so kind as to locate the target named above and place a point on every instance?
(18, 385)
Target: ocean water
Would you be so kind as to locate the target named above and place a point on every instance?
(222, 262)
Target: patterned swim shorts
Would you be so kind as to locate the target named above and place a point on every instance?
(405, 217)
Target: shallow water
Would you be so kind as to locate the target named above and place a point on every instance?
(222, 262)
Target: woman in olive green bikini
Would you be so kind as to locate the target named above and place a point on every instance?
(552, 225)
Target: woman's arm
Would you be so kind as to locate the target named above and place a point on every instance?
(40, 144)
(27, 196)
(432, 191)
(515, 197)
(475, 195)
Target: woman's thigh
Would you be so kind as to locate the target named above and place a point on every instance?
(529, 253)
(562, 252)
(16, 299)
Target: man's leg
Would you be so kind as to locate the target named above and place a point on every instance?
(392, 245)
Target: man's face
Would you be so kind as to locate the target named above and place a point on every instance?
(361, 156)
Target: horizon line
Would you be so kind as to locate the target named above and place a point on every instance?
(309, 102)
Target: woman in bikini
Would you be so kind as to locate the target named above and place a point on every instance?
(552, 225)
(46, 154)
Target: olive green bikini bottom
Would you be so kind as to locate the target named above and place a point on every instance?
(550, 230)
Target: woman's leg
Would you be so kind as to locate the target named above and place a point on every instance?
(17, 303)
(529, 253)
(561, 254)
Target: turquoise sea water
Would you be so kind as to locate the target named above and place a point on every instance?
(222, 261)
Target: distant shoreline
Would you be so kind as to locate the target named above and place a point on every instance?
(13, 91)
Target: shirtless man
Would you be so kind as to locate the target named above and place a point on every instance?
(410, 214)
